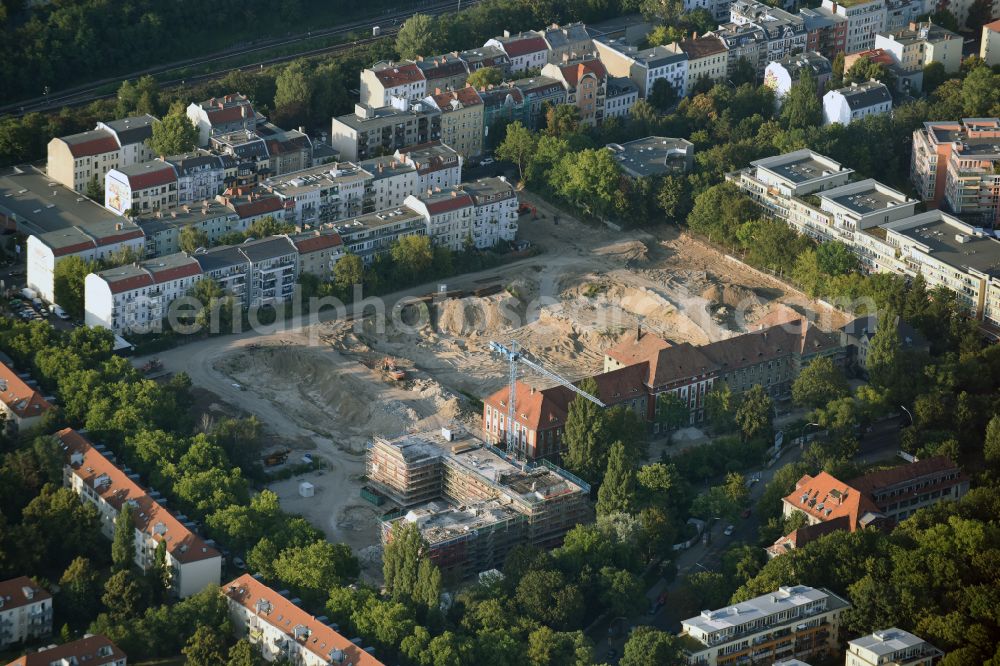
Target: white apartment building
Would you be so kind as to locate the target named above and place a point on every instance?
(393, 180)
(222, 115)
(865, 18)
(865, 204)
(385, 81)
(141, 187)
(162, 229)
(135, 298)
(319, 252)
(785, 33)
(90, 650)
(622, 94)
(891, 647)
(25, 611)
(411, 171)
(322, 194)
(781, 75)
(527, 51)
(951, 254)
(989, 49)
(200, 176)
(793, 621)
(437, 165)
(449, 214)
(194, 563)
(854, 102)
(918, 45)
(78, 159)
(495, 214)
(708, 59)
(644, 66)
(281, 630)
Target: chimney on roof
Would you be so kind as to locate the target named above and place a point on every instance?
(638, 332)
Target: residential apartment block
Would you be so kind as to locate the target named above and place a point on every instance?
(222, 115)
(22, 406)
(443, 72)
(653, 156)
(141, 187)
(989, 49)
(826, 32)
(539, 92)
(782, 33)
(384, 82)
(25, 611)
(919, 44)
(162, 229)
(375, 131)
(372, 235)
(79, 159)
(318, 251)
(781, 75)
(865, 18)
(495, 218)
(708, 59)
(527, 51)
(281, 630)
(856, 101)
(486, 56)
(472, 504)
(644, 66)
(90, 471)
(200, 176)
(954, 165)
(323, 194)
(483, 213)
(502, 105)
(622, 94)
(881, 498)
(793, 621)
(891, 647)
(586, 83)
(90, 650)
(461, 119)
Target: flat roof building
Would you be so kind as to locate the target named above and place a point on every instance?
(891, 647)
(653, 156)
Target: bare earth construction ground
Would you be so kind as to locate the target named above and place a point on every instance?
(566, 306)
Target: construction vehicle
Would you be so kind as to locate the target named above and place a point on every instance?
(516, 357)
(276, 458)
(152, 365)
(524, 209)
(391, 370)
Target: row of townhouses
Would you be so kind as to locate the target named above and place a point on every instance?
(136, 297)
(815, 195)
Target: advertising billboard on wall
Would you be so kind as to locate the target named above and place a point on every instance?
(117, 196)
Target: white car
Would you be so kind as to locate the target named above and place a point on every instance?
(729, 530)
(59, 312)
(486, 161)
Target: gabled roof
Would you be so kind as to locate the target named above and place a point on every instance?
(391, 74)
(442, 66)
(134, 129)
(21, 591)
(314, 242)
(91, 650)
(93, 142)
(309, 632)
(875, 481)
(538, 409)
(115, 487)
(258, 205)
(442, 203)
(636, 346)
(522, 44)
(864, 95)
(465, 97)
(149, 272)
(824, 497)
(148, 174)
(807, 533)
(20, 398)
(703, 47)
(573, 72)
(623, 384)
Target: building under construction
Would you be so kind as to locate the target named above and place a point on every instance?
(471, 502)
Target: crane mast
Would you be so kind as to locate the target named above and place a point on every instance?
(515, 355)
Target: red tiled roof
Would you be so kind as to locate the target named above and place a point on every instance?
(800, 537)
(573, 72)
(628, 352)
(680, 362)
(93, 651)
(702, 47)
(130, 283)
(623, 384)
(258, 206)
(317, 243)
(97, 146)
(73, 249)
(467, 96)
(447, 204)
(874, 481)
(20, 398)
(879, 56)
(538, 409)
(398, 75)
(152, 177)
(118, 238)
(994, 26)
(824, 497)
(282, 614)
(13, 592)
(524, 46)
(116, 488)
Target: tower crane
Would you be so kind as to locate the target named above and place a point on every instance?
(515, 355)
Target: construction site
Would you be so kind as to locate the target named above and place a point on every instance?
(471, 502)
(327, 388)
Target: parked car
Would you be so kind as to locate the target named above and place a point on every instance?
(486, 161)
(729, 530)
(59, 312)
(746, 513)
(239, 563)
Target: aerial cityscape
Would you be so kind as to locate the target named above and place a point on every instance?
(500, 333)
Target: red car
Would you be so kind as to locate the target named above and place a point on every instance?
(746, 513)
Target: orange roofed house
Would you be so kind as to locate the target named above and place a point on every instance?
(282, 630)
(90, 651)
(89, 471)
(23, 406)
(881, 498)
(586, 85)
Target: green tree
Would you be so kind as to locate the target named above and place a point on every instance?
(835, 258)
(413, 256)
(753, 416)
(562, 120)
(720, 408)
(647, 645)
(979, 15)
(883, 361)
(991, 443)
(837, 78)
(206, 647)
(122, 595)
(95, 190)
(672, 412)
(558, 648)
(934, 76)
(79, 590)
(674, 198)
(68, 283)
(819, 383)
(663, 95)
(347, 272)
(801, 107)
(268, 226)
(417, 37)
(591, 180)
(173, 135)
(401, 561)
(547, 597)
(484, 77)
(586, 435)
(191, 238)
(123, 544)
(518, 146)
(293, 97)
(243, 653)
(617, 492)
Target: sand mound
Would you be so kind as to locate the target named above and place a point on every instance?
(479, 316)
(731, 296)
